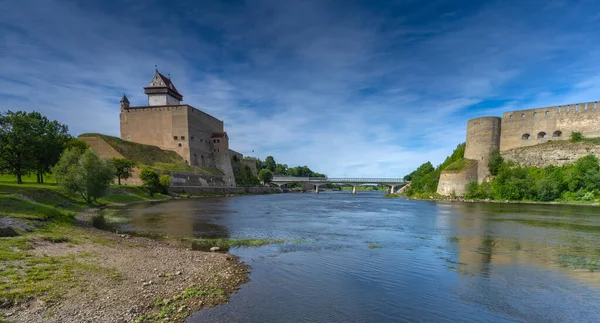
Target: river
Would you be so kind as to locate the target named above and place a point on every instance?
(364, 258)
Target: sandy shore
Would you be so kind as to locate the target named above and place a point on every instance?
(133, 279)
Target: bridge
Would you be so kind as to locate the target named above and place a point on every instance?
(318, 181)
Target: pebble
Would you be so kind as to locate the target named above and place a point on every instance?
(215, 249)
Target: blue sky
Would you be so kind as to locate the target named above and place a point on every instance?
(349, 88)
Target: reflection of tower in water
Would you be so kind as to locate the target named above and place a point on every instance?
(476, 244)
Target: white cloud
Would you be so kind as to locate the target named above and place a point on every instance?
(345, 90)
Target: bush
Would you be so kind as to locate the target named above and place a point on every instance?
(576, 136)
(151, 181)
(495, 161)
(165, 183)
(83, 173)
(265, 175)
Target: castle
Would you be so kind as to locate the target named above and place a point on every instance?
(197, 137)
(516, 129)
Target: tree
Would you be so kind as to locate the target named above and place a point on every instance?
(495, 162)
(83, 173)
(50, 139)
(151, 181)
(265, 175)
(281, 169)
(245, 177)
(270, 163)
(16, 143)
(123, 168)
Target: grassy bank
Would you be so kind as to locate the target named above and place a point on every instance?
(31, 214)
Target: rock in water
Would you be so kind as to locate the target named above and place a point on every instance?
(215, 249)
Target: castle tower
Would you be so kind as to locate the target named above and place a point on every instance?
(124, 103)
(483, 136)
(161, 91)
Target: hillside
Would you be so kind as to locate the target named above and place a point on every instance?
(144, 155)
(557, 153)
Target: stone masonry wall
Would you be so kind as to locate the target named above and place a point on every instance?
(483, 136)
(556, 153)
(534, 126)
(457, 181)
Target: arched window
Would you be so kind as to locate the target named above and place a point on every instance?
(522, 115)
(179, 145)
(182, 137)
(559, 109)
(535, 114)
(547, 112)
(557, 134)
(525, 136)
(175, 137)
(510, 117)
(541, 135)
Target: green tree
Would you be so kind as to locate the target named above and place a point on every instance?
(77, 144)
(281, 169)
(50, 138)
(151, 181)
(83, 173)
(495, 161)
(17, 142)
(245, 177)
(265, 175)
(270, 163)
(123, 168)
(165, 183)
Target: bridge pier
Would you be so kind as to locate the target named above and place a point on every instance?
(353, 189)
(317, 189)
(392, 189)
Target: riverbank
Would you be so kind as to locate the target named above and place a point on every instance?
(459, 199)
(55, 267)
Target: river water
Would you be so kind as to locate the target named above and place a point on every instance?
(364, 258)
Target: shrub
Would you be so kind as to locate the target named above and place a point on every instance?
(576, 136)
(151, 181)
(83, 173)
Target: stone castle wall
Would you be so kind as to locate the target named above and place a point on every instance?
(534, 126)
(456, 182)
(557, 153)
(518, 133)
(483, 136)
(158, 126)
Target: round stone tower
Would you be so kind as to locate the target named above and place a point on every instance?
(483, 136)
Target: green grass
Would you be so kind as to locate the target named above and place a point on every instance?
(230, 243)
(553, 224)
(147, 155)
(459, 165)
(392, 196)
(174, 309)
(140, 153)
(579, 262)
(374, 246)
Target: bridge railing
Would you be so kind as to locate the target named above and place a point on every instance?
(336, 180)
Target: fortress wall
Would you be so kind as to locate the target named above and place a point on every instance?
(204, 121)
(223, 159)
(524, 128)
(557, 153)
(457, 181)
(483, 136)
(158, 126)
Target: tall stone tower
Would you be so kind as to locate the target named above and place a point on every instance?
(161, 91)
(483, 136)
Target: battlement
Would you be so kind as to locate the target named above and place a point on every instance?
(521, 128)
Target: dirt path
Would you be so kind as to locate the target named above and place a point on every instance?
(134, 279)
